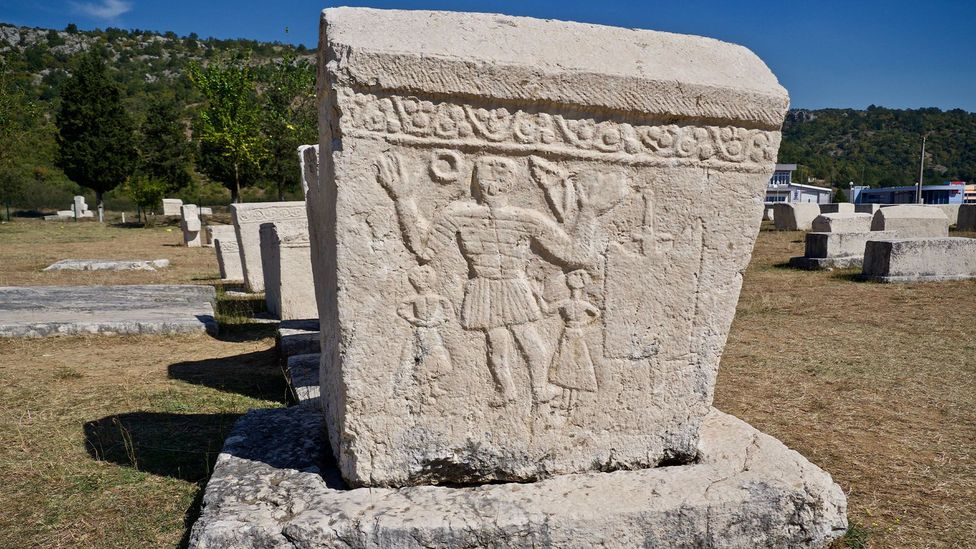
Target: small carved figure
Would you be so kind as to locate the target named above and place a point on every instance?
(572, 366)
(425, 354)
(496, 241)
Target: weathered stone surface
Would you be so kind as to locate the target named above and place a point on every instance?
(298, 337)
(190, 224)
(951, 212)
(213, 232)
(229, 258)
(867, 208)
(768, 209)
(206, 211)
(967, 218)
(519, 275)
(308, 159)
(911, 221)
(271, 487)
(847, 222)
(108, 265)
(795, 216)
(69, 310)
(247, 223)
(303, 378)
(287, 267)
(920, 259)
(837, 207)
(171, 206)
(826, 251)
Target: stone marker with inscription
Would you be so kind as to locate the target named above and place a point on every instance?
(247, 223)
(528, 240)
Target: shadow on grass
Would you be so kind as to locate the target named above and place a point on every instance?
(256, 375)
(850, 275)
(183, 446)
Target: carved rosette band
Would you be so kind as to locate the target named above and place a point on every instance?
(414, 121)
(270, 213)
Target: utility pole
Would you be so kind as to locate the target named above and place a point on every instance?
(921, 170)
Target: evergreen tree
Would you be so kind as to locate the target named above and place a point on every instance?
(231, 143)
(95, 132)
(164, 151)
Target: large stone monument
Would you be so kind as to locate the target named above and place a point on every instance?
(911, 221)
(528, 240)
(287, 267)
(247, 224)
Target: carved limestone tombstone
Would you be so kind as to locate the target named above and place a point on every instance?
(247, 219)
(528, 239)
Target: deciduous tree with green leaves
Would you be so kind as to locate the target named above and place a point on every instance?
(289, 117)
(95, 137)
(229, 128)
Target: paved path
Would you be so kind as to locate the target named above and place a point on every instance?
(38, 311)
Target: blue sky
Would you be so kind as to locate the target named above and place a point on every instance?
(902, 54)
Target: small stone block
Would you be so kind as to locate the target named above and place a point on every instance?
(847, 222)
(303, 378)
(795, 216)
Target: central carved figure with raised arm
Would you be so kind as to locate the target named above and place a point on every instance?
(495, 239)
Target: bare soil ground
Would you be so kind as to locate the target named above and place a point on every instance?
(107, 441)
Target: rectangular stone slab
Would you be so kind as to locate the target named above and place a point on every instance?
(920, 259)
(247, 220)
(39, 311)
(528, 239)
(911, 221)
(795, 216)
(270, 488)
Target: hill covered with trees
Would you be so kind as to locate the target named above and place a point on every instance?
(880, 147)
(152, 72)
(171, 89)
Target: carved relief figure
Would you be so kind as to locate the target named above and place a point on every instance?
(495, 240)
(572, 365)
(425, 355)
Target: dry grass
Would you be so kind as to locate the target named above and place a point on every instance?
(875, 383)
(29, 245)
(105, 442)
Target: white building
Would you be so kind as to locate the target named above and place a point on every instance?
(781, 188)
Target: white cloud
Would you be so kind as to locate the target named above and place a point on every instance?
(106, 9)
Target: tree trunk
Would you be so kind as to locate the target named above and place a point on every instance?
(281, 190)
(236, 194)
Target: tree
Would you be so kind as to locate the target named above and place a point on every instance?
(289, 117)
(840, 195)
(94, 131)
(146, 191)
(229, 133)
(19, 116)
(164, 151)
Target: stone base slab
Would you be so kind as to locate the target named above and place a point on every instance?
(272, 487)
(39, 311)
(303, 378)
(108, 265)
(298, 337)
(825, 263)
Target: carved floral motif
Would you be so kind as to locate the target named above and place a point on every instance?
(428, 120)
